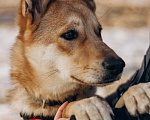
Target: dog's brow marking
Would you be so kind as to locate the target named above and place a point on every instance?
(74, 19)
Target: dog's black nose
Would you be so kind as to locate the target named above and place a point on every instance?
(114, 65)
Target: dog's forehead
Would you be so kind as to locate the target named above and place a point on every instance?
(62, 16)
(78, 13)
(77, 20)
(87, 21)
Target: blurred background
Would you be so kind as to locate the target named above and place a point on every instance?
(126, 29)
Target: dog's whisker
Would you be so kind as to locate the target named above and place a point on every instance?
(75, 67)
(41, 59)
(52, 73)
(48, 72)
(79, 74)
(46, 78)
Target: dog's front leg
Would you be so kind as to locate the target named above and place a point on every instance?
(136, 99)
(93, 108)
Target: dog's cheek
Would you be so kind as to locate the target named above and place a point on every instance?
(61, 62)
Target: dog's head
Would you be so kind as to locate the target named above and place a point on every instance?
(62, 43)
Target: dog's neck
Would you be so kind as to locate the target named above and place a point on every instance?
(47, 103)
(29, 106)
(44, 106)
(53, 102)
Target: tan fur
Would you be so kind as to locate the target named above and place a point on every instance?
(45, 66)
(136, 99)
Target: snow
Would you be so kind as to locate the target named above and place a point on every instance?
(7, 38)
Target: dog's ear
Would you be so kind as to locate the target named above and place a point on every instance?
(91, 4)
(34, 9)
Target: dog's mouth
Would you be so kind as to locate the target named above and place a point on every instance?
(100, 84)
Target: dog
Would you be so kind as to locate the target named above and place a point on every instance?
(59, 56)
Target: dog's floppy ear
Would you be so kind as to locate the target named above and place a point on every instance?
(34, 9)
(91, 4)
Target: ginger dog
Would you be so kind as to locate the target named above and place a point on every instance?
(59, 56)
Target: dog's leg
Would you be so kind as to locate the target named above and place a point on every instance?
(136, 99)
(94, 108)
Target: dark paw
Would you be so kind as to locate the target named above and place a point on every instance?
(73, 117)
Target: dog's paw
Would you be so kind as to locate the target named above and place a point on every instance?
(136, 99)
(93, 108)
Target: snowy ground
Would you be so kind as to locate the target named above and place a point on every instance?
(7, 38)
(131, 45)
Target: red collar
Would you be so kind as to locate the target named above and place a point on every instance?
(31, 117)
(36, 119)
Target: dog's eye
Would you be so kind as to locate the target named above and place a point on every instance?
(70, 35)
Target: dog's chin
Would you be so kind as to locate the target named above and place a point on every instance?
(104, 82)
(111, 79)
